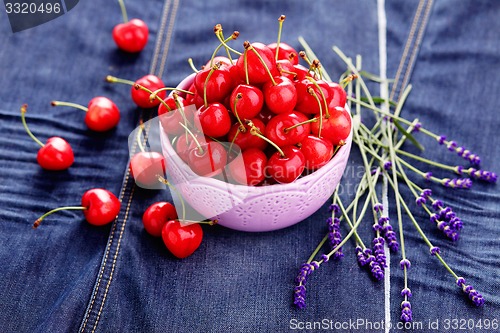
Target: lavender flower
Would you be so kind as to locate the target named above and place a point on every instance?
(360, 256)
(464, 183)
(325, 258)
(416, 128)
(387, 165)
(435, 250)
(376, 270)
(483, 175)
(469, 290)
(334, 208)
(406, 292)
(299, 294)
(378, 251)
(390, 237)
(461, 151)
(334, 236)
(405, 263)
(378, 208)
(446, 220)
(441, 139)
(406, 314)
(428, 175)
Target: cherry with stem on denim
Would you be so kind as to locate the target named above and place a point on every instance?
(130, 36)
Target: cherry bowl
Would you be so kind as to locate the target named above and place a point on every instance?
(254, 208)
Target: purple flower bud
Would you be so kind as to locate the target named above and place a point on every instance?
(473, 294)
(426, 193)
(460, 282)
(428, 175)
(390, 237)
(417, 127)
(406, 292)
(405, 263)
(360, 256)
(420, 201)
(387, 165)
(334, 236)
(459, 169)
(441, 139)
(451, 145)
(435, 250)
(406, 314)
(334, 208)
(325, 258)
(378, 250)
(376, 270)
(376, 227)
(437, 204)
(378, 207)
(434, 218)
(383, 220)
(483, 175)
(463, 183)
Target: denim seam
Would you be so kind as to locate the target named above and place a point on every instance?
(97, 295)
(412, 45)
(168, 37)
(161, 31)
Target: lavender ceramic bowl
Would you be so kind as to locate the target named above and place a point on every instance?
(254, 209)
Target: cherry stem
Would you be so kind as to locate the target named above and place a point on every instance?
(280, 20)
(327, 114)
(220, 36)
(212, 70)
(124, 11)
(217, 30)
(312, 120)
(40, 219)
(242, 127)
(255, 131)
(281, 70)
(233, 140)
(138, 137)
(153, 95)
(313, 93)
(249, 46)
(113, 79)
(172, 187)
(245, 62)
(73, 105)
(140, 87)
(348, 80)
(303, 55)
(180, 108)
(24, 108)
(200, 148)
(193, 67)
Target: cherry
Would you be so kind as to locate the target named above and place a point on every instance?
(208, 159)
(245, 140)
(335, 128)
(172, 112)
(286, 166)
(249, 104)
(301, 72)
(56, 154)
(283, 131)
(181, 240)
(285, 52)
(286, 69)
(130, 36)
(156, 215)
(142, 89)
(214, 120)
(184, 144)
(218, 59)
(145, 167)
(317, 151)
(249, 169)
(280, 95)
(339, 95)
(215, 82)
(102, 114)
(265, 115)
(99, 207)
(256, 68)
(307, 102)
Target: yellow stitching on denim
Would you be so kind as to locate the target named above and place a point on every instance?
(168, 37)
(159, 37)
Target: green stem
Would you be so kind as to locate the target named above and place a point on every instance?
(112, 79)
(312, 120)
(313, 93)
(280, 20)
(41, 218)
(172, 187)
(193, 67)
(219, 47)
(138, 137)
(73, 105)
(311, 54)
(245, 62)
(249, 46)
(254, 131)
(327, 114)
(24, 108)
(200, 148)
(124, 11)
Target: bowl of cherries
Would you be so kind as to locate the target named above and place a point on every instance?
(257, 143)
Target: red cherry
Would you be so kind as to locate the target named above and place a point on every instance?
(265, 115)
(306, 102)
(141, 97)
(181, 240)
(245, 140)
(285, 52)
(257, 73)
(218, 85)
(280, 95)
(101, 205)
(131, 36)
(286, 69)
(214, 120)
(185, 143)
(336, 128)
(339, 95)
(277, 130)
(249, 168)
(250, 103)
(170, 119)
(56, 154)
(301, 72)
(287, 168)
(218, 59)
(156, 215)
(145, 167)
(210, 161)
(317, 151)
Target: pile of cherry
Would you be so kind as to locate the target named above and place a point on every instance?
(283, 117)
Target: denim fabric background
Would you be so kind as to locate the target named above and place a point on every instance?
(235, 282)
